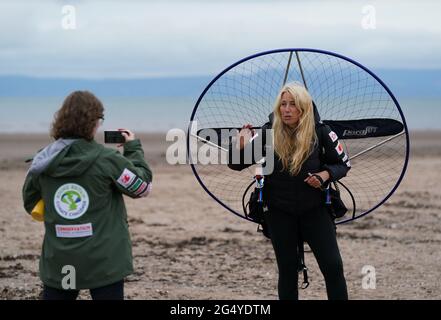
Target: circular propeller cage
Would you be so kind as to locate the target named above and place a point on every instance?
(341, 89)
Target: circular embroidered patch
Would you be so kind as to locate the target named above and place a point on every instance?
(71, 201)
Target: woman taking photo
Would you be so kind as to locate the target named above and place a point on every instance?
(292, 192)
(86, 243)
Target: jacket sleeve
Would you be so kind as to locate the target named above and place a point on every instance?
(239, 160)
(130, 173)
(336, 161)
(31, 192)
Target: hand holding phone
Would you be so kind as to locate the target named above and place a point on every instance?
(114, 137)
(120, 136)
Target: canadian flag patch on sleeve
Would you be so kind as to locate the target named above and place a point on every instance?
(126, 178)
(339, 148)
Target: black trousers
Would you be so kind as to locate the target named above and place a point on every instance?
(113, 291)
(317, 229)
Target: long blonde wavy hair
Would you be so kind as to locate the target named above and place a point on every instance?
(294, 145)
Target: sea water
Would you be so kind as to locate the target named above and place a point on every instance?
(140, 114)
(159, 114)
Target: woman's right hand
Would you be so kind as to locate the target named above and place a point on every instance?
(127, 134)
(244, 135)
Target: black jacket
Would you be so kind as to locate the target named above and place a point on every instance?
(290, 193)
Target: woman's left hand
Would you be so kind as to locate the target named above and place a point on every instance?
(314, 182)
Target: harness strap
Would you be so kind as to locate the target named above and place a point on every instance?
(302, 266)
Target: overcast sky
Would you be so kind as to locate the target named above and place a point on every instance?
(125, 39)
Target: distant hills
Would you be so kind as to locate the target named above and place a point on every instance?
(17, 86)
(403, 83)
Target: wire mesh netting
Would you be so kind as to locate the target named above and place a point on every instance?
(341, 90)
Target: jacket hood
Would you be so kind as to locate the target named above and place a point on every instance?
(66, 158)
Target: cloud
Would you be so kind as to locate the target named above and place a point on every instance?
(116, 39)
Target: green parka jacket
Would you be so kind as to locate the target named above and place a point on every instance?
(82, 185)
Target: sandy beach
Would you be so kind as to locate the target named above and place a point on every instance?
(186, 246)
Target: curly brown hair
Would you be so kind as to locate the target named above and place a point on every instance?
(77, 116)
